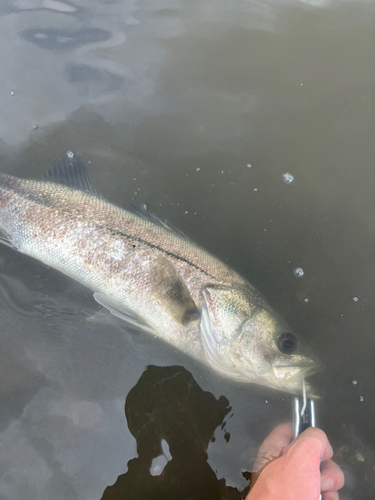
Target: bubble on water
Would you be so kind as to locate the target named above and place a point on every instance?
(186, 212)
(361, 398)
(266, 401)
(306, 299)
(249, 327)
(248, 165)
(288, 178)
(355, 299)
(255, 189)
(354, 382)
(35, 127)
(70, 154)
(299, 272)
(12, 92)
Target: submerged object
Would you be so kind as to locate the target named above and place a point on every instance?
(152, 276)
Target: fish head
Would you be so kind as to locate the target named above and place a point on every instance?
(246, 340)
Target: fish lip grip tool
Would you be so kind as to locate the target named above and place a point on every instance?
(303, 413)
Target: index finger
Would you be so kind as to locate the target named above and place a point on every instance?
(274, 444)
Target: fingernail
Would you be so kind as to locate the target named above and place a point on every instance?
(327, 484)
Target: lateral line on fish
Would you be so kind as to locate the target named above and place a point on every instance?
(156, 247)
(42, 202)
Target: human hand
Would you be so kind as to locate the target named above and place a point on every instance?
(303, 473)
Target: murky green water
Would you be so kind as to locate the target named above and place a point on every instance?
(169, 103)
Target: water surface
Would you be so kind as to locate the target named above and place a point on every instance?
(196, 109)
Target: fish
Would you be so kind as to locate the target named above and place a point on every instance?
(152, 276)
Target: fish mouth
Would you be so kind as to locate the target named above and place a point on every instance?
(291, 375)
(304, 368)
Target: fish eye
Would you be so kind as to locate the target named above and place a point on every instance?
(287, 343)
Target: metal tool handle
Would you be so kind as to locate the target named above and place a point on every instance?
(303, 417)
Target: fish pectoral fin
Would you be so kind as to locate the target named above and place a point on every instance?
(171, 292)
(100, 316)
(122, 313)
(72, 172)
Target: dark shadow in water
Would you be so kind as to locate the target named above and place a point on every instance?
(92, 81)
(167, 404)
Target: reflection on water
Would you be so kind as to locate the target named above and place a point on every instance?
(64, 39)
(169, 103)
(173, 421)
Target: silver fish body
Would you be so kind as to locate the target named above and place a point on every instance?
(153, 277)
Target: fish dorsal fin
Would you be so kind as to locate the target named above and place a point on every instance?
(122, 313)
(141, 211)
(72, 172)
(171, 292)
